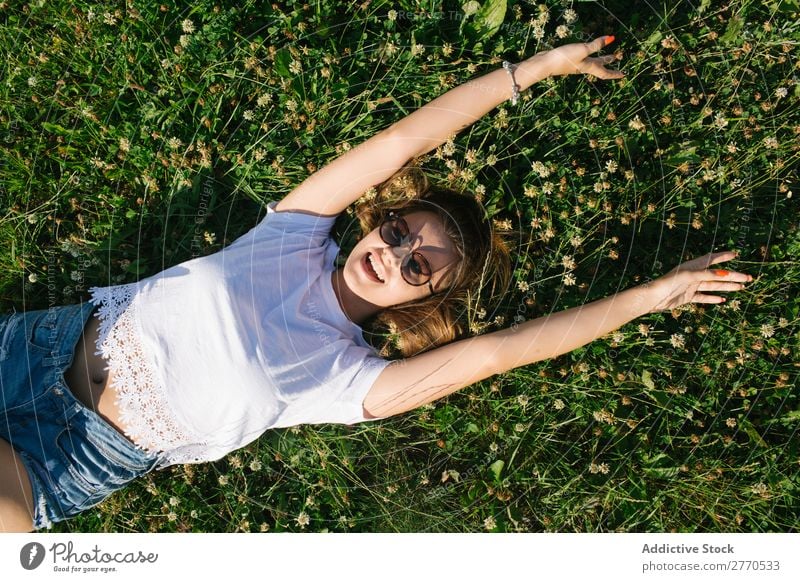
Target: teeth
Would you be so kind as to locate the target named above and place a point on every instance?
(369, 258)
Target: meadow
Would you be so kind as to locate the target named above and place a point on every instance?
(136, 135)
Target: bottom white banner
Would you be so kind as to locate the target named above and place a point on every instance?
(439, 557)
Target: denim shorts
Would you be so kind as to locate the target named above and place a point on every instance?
(74, 458)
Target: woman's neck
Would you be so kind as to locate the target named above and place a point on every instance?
(354, 307)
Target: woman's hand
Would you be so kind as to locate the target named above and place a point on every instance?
(687, 283)
(573, 59)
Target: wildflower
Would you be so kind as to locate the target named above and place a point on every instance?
(562, 31)
(33, 278)
(531, 191)
(558, 404)
(603, 415)
(611, 166)
(570, 16)
(447, 49)
(124, 144)
(523, 286)
(783, 322)
(392, 15)
(767, 330)
(255, 465)
(491, 160)
(617, 337)
(32, 81)
(677, 340)
(781, 92)
(222, 480)
(569, 279)
(264, 100)
(770, 143)
(109, 19)
(187, 26)
(172, 516)
(613, 254)
(249, 115)
(731, 422)
(296, 67)
(540, 169)
(644, 329)
(489, 523)
(636, 124)
(303, 519)
(568, 262)
(594, 468)
(720, 122)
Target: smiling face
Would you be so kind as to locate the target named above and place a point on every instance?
(373, 268)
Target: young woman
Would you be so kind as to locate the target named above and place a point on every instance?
(201, 359)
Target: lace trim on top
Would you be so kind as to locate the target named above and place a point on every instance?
(143, 405)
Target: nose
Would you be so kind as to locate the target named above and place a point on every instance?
(396, 255)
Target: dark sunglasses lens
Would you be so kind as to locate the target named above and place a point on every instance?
(416, 270)
(393, 231)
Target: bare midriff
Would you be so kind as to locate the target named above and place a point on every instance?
(90, 382)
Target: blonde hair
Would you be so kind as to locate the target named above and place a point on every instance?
(484, 268)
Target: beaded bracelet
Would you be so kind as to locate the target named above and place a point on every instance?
(510, 68)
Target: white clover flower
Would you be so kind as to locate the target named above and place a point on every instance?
(392, 15)
(570, 16)
(636, 124)
(562, 31)
(781, 92)
(489, 523)
(677, 340)
(569, 280)
(767, 330)
(187, 26)
(568, 262)
(540, 169)
(611, 166)
(303, 519)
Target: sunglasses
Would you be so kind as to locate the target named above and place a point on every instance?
(415, 268)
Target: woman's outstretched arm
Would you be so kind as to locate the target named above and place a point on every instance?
(412, 382)
(340, 183)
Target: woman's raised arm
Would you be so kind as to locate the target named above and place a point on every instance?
(341, 182)
(412, 382)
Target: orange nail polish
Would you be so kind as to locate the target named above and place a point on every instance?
(609, 39)
(721, 273)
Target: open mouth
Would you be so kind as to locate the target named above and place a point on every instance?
(370, 270)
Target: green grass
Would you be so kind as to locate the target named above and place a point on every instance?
(120, 129)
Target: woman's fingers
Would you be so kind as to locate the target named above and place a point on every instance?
(715, 286)
(599, 43)
(715, 258)
(698, 298)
